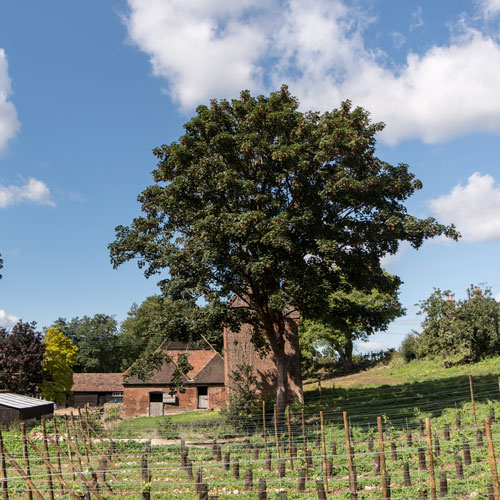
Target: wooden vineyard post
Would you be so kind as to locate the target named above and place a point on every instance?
(56, 437)
(304, 441)
(493, 463)
(289, 436)
(349, 457)
(99, 477)
(383, 474)
(27, 477)
(53, 472)
(264, 430)
(46, 449)
(323, 451)
(26, 457)
(430, 458)
(276, 439)
(73, 428)
(3, 471)
(499, 383)
(472, 400)
(66, 437)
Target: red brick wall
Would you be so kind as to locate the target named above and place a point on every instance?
(136, 399)
(239, 349)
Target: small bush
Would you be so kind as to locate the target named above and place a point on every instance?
(409, 347)
(242, 406)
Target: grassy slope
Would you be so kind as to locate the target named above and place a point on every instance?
(397, 389)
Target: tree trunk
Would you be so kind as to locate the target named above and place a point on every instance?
(346, 356)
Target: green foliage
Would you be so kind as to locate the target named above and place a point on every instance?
(60, 357)
(97, 341)
(352, 315)
(464, 330)
(276, 206)
(21, 355)
(409, 348)
(242, 407)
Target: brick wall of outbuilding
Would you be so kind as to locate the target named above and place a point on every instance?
(136, 399)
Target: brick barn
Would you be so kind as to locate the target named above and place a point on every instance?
(95, 389)
(239, 350)
(204, 384)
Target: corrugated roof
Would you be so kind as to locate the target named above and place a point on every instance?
(17, 401)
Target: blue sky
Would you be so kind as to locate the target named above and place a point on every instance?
(87, 89)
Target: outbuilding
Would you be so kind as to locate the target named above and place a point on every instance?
(96, 389)
(16, 408)
(204, 383)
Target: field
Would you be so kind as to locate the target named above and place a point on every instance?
(285, 462)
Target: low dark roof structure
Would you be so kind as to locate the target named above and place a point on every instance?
(16, 407)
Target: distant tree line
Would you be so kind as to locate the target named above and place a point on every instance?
(462, 331)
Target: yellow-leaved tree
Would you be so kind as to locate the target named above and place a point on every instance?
(59, 359)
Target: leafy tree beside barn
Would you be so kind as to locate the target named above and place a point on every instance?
(275, 205)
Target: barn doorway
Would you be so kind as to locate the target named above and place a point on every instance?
(203, 397)
(155, 404)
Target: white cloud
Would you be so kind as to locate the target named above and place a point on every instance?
(33, 191)
(203, 49)
(215, 49)
(497, 297)
(417, 19)
(370, 346)
(474, 208)
(7, 320)
(489, 8)
(9, 125)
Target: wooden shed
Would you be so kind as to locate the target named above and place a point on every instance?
(96, 389)
(15, 408)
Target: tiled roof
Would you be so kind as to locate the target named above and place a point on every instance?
(208, 367)
(19, 402)
(97, 382)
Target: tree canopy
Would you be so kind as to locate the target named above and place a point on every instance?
(96, 338)
(352, 315)
(465, 330)
(21, 356)
(277, 206)
(59, 358)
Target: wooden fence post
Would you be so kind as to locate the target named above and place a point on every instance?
(289, 436)
(349, 456)
(472, 400)
(493, 463)
(46, 449)
(26, 457)
(264, 430)
(276, 438)
(382, 458)
(3, 471)
(323, 450)
(430, 458)
(304, 441)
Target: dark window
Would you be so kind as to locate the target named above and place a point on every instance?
(155, 397)
(202, 391)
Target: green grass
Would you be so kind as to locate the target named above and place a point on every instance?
(170, 424)
(398, 388)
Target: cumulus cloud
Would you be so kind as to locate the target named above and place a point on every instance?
(9, 124)
(33, 191)
(214, 49)
(490, 8)
(7, 320)
(203, 49)
(474, 208)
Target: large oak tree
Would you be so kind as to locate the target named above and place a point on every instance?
(277, 206)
